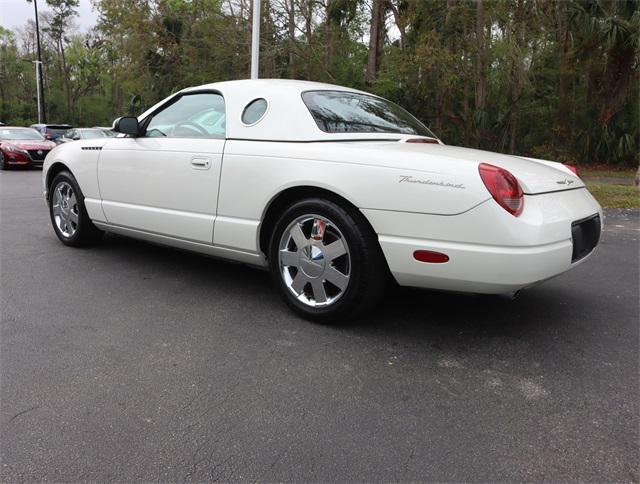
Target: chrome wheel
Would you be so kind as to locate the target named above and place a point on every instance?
(314, 260)
(65, 209)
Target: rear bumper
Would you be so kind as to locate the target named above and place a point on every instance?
(489, 250)
(476, 268)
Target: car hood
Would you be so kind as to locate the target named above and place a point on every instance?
(535, 176)
(30, 144)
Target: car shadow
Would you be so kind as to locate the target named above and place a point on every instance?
(402, 311)
(21, 168)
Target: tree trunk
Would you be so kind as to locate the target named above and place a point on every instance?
(401, 24)
(269, 41)
(564, 102)
(480, 57)
(308, 23)
(466, 105)
(517, 73)
(376, 39)
(292, 38)
(67, 81)
(328, 60)
(621, 79)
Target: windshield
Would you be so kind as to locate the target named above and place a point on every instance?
(11, 134)
(94, 133)
(348, 112)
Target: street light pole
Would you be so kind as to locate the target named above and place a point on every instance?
(255, 40)
(39, 89)
(42, 116)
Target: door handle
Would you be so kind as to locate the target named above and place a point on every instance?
(200, 163)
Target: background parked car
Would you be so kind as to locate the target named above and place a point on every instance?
(75, 134)
(109, 130)
(23, 147)
(52, 131)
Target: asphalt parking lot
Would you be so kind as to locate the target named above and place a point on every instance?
(132, 362)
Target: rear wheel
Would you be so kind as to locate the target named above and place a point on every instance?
(69, 217)
(326, 261)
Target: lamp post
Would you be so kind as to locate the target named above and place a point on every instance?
(42, 116)
(255, 40)
(39, 89)
(40, 104)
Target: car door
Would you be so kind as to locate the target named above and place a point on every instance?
(166, 180)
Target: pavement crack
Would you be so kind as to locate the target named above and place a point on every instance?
(22, 413)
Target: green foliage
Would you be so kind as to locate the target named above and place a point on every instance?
(560, 78)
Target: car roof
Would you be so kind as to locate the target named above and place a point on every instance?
(284, 86)
(287, 117)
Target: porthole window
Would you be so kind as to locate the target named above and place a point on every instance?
(254, 111)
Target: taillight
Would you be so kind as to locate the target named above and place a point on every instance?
(573, 169)
(503, 187)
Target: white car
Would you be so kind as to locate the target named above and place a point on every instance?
(333, 190)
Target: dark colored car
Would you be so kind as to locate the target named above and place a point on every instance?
(22, 147)
(52, 131)
(85, 133)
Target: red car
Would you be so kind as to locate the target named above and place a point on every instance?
(22, 147)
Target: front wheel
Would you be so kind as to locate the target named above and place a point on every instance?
(326, 261)
(68, 213)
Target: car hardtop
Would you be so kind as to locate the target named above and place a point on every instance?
(287, 118)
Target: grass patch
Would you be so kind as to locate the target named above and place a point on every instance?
(615, 196)
(607, 173)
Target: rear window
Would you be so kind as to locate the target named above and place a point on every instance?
(57, 130)
(348, 112)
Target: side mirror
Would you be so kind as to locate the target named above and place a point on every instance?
(127, 125)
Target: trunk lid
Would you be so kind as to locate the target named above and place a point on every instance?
(535, 176)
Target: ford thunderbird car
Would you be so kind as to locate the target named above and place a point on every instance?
(334, 190)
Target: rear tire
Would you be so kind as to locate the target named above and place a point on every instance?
(326, 262)
(68, 214)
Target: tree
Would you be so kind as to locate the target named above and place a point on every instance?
(62, 14)
(377, 35)
(548, 79)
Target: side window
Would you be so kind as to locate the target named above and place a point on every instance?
(191, 116)
(254, 111)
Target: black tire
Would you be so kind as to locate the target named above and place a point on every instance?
(85, 233)
(368, 272)
(3, 165)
